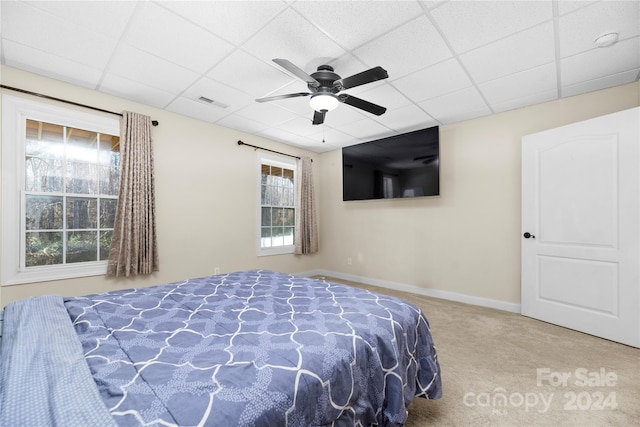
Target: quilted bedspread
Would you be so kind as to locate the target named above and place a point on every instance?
(255, 348)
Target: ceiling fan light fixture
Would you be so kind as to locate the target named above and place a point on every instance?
(323, 102)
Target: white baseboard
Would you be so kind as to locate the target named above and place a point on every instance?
(436, 293)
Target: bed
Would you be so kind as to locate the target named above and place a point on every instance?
(252, 348)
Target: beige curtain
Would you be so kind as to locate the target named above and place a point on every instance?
(306, 241)
(133, 245)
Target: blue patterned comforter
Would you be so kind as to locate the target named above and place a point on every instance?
(255, 348)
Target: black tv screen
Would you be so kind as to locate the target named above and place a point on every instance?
(400, 166)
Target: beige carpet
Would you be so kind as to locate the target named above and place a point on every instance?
(503, 369)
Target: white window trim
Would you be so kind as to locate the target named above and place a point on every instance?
(15, 111)
(274, 160)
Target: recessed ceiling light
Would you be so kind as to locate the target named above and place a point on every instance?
(606, 40)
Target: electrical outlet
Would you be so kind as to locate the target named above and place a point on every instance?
(349, 261)
(216, 270)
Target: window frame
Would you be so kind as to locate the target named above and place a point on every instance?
(278, 161)
(15, 112)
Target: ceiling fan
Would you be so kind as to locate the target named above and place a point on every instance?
(325, 85)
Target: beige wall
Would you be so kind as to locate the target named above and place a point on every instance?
(206, 194)
(467, 240)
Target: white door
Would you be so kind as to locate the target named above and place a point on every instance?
(580, 226)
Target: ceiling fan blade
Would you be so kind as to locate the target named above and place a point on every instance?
(372, 75)
(276, 97)
(362, 104)
(296, 71)
(318, 117)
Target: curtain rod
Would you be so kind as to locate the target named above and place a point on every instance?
(28, 92)
(266, 149)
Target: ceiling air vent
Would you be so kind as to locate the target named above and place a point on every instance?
(210, 101)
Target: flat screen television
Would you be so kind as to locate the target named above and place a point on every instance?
(399, 166)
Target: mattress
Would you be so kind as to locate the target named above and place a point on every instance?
(252, 348)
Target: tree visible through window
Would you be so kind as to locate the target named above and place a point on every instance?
(71, 190)
(277, 204)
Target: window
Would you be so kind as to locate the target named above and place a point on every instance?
(277, 205)
(60, 180)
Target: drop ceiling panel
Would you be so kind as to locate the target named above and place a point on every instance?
(461, 105)
(447, 60)
(148, 32)
(109, 18)
(601, 83)
(292, 37)
(219, 93)
(242, 123)
(333, 137)
(384, 94)
(597, 62)
(411, 47)
(248, 74)
(406, 119)
(196, 109)
(365, 129)
(567, 6)
(429, 83)
(523, 101)
(234, 21)
(300, 126)
(145, 68)
(528, 49)
(55, 36)
(471, 24)
(338, 22)
(579, 29)
(520, 85)
(46, 64)
(268, 114)
(136, 91)
(297, 140)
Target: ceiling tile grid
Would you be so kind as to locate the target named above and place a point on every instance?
(447, 61)
(54, 35)
(162, 33)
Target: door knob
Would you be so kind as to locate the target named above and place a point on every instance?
(528, 235)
